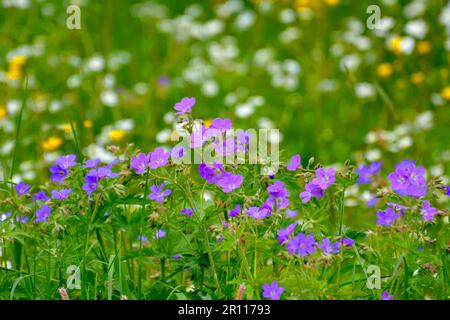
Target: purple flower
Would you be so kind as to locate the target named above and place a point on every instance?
(278, 195)
(294, 164)
(210, 173)
(226, 147)
(324, 178)
(311, 190)
(260, 213)
(397, 207)
(163, 81)
(176, 257)
(91, 183)
(235, 212)
(143, 238)
(366, 172)
(91, 163)
(187, 212)
(140, 163)
(58, 174)
(22, 219)
(387, 217)
(160, 234)
(348, 242)
(291, 213)
(447, 191)
(42, 213)
(62, 194)
(177, 152)
(66, 162)
(329, 247)
(408, 180)
(21, 188)
(229, 181)
(158, 158)
(185, 105)
(158, 194)
(301, 244)
(386, 296)
(284, 234)
(428, 212)
(221, 124)
(242, 140)
(372, 201)
(40, 196)
(272, 291)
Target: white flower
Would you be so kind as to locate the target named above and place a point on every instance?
(373, 155)
(287, 16)
(163, 136)
(414, 9)
(416, 28)
(109, 98)
(364, 90)
(96, 63)
(13, 106)
(210, 88)
(244, 110)
(245, 20)
(350, 62)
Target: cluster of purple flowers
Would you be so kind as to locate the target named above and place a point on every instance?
(408, 179)
(303, 244)
(259, 213)
(278, 195)
(216, 174)
(225, 142)
(316, 188)
(153, 160)
(95, 175)
(61, 168)
(366, 172)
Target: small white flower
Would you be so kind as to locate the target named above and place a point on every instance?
(109, 98)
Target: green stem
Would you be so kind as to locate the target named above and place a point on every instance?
(141, 227)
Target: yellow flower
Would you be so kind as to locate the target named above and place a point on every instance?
(384, 70)
(207, 123)
(424, 47)
(306, 4)
(417, 77)
(396, 44)
(15, 67)
(87, 124)
(445, 93)
(332, 3)
(2, 112)
(117, 135)
(67, 128)
(52, 143)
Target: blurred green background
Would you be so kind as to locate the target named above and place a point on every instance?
(336, 89)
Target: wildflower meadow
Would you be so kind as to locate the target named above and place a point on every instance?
(224, 150)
